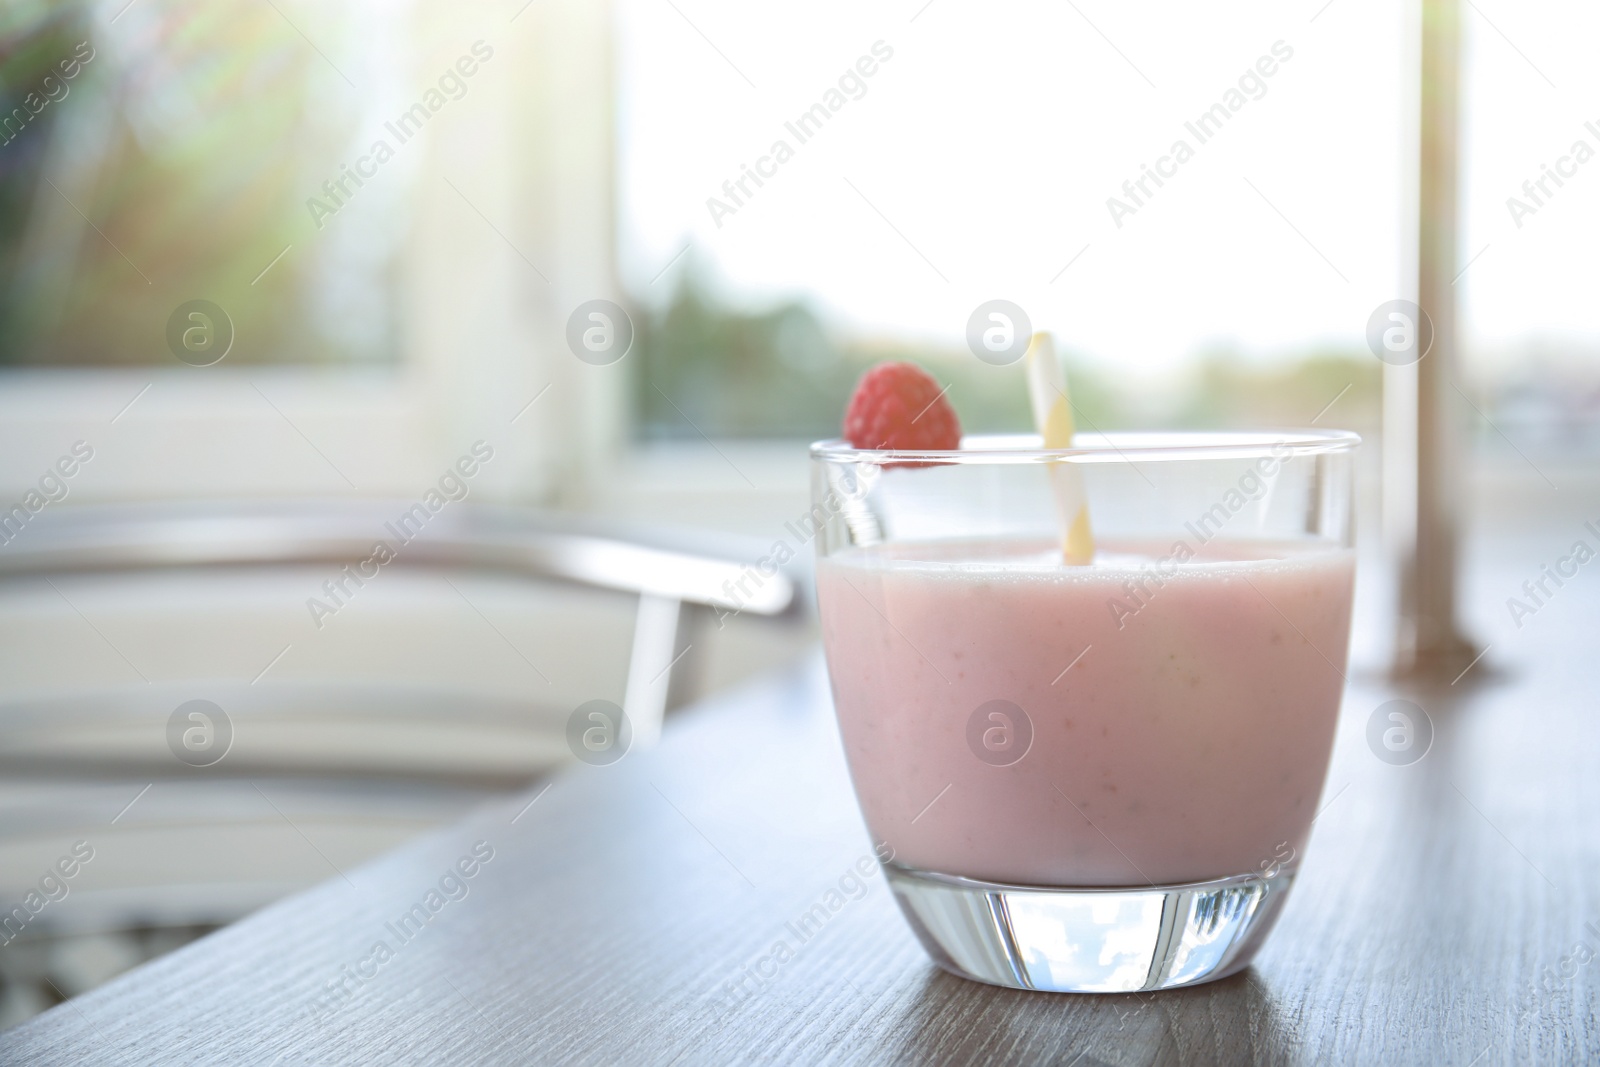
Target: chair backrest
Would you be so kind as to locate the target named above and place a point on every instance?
(675, 575)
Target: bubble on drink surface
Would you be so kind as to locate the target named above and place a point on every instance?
(1399, 732)
(999, 733)
(1399, 332)
(599, 332)
(598, 732)
(199, 733)
(998, 332)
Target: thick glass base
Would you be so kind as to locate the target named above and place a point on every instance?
(1090, 940)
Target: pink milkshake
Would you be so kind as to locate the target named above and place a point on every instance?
(1087, 684)
(1176, 714)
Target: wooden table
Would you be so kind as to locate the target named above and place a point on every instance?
(1447, 912)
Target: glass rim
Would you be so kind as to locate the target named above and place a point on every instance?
(1127, 446)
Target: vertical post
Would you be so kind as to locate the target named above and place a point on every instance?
(565, 180)
(657, 676)
(1430, 643)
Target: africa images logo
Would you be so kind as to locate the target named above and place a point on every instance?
(452, 85)
(1251, 85)
(805, 126)
(454, 485)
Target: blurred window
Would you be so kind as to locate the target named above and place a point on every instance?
(342, 184)
(804, 191)
(173, 153)
(1530, 204)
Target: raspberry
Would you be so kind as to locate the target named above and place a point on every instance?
(900, 406)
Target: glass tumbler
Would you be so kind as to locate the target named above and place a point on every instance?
(1095, 777)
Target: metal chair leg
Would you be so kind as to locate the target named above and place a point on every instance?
(658, 674)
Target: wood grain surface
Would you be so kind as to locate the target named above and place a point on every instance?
(1447, 912)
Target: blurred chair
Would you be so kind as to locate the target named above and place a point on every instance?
(360, 710)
